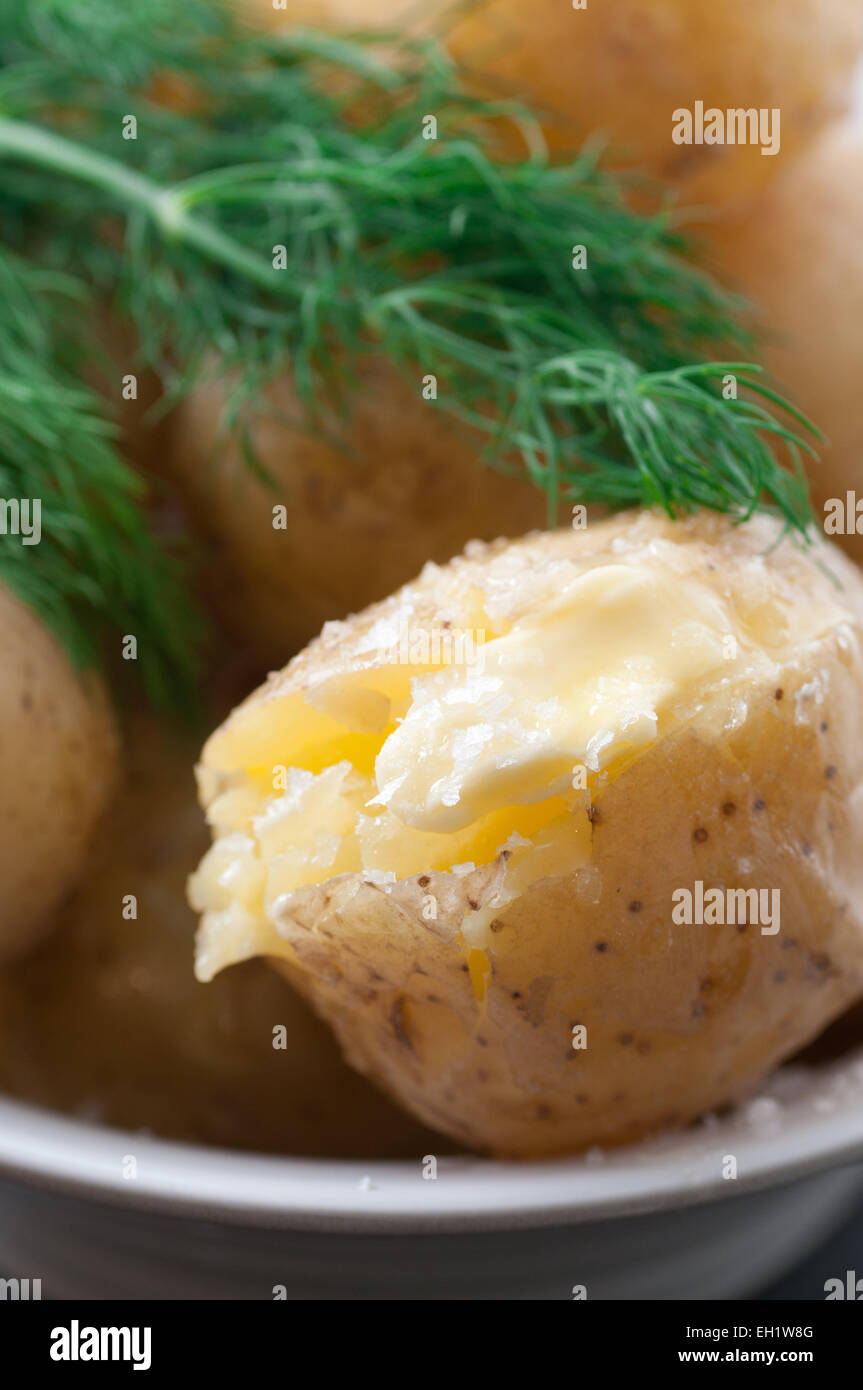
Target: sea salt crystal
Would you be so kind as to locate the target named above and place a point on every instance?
(588, 884)
(381, 878)
(515, 841)
(763, 1113)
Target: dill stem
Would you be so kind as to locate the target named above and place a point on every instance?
(164, 206)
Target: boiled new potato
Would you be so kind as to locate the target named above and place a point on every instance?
(797, 252)
(350, 508)
(58, 764)
(563, 837)
(622, 67)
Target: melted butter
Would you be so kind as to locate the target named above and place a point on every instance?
(589, 684)
(406, 763)
(447, 766)
(480, 973)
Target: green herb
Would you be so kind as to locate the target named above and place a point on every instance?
(442, 254)
(96, 564)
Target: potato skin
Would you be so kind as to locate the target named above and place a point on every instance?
(622, 67)
(797, 252)
(361, 517)
(58, 766)
(679, 1019)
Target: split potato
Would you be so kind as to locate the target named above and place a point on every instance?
(797, 252)
(623, 67)
(349, 509)
(58, 767)
(563, 838)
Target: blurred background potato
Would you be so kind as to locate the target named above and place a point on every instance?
(368, 500)
(621, 67)
(796, 250)
(59, 760)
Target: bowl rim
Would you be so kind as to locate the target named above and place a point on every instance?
(45, 1150)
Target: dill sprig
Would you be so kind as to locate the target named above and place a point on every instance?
(96, 566)
(444, 255)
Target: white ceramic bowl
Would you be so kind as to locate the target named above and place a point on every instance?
(97, 1213)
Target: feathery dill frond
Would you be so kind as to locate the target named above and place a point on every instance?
(96, 567)
(441, 254)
